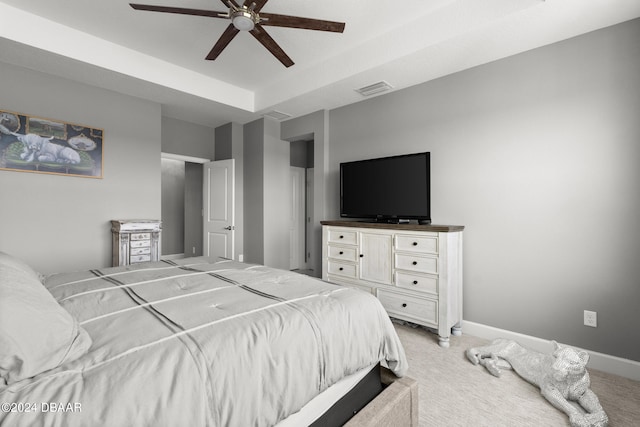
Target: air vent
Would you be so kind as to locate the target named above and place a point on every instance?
(278, 115)
(374, 88)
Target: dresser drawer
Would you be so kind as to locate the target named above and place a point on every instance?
(409, 307)
(140, 251)
(342, 269)
(139, 258)
(347, 237)
(420, 264)
(140, 243)
(419, 244)
(343, 253)
(140, 236)
(417, 282)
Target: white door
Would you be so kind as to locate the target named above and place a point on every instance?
(218, 208)
(297, 219)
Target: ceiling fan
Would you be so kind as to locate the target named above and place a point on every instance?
(248, 18)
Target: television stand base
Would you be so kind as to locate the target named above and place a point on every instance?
(392, 221)
(399, 221)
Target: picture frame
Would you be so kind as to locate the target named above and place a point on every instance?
(42, 145)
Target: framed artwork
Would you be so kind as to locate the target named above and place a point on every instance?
(35, 144)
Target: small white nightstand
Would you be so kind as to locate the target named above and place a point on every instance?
(135, 241)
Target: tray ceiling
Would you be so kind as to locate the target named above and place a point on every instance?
(160, 56)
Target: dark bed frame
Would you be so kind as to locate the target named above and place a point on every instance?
(379, 399)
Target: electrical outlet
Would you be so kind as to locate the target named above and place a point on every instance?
(591, 318)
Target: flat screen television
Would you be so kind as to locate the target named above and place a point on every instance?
(387, 189)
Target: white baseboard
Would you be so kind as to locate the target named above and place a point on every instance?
(603, 362)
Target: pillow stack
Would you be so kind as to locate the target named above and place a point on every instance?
(36, 333)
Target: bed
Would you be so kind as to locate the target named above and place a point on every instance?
(196, 342)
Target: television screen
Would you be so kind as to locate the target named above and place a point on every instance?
(389, 189)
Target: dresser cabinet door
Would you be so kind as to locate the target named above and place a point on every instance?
(375, 257)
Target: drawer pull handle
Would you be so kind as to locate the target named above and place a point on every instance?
(342, 237)
(415, 243)
(404, 304)
(415, 282)
(415, 262)
(361, 255)
(341, 268)
(341, 253)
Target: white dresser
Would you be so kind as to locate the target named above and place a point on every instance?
(135, 241)
(414, 270)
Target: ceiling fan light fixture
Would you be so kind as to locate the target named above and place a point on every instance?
(243, 20)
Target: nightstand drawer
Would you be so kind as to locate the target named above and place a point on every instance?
(346, 237)
(140, 236)
(140, 251)
(343, 269)
(343, 253)
(417, 282)
(409, 307)
(139, 258)
(140, 243)
(420, 264)
(419, 244)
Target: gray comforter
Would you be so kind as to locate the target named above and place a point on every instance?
(201, 343)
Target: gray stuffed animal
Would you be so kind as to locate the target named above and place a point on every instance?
(561, 376)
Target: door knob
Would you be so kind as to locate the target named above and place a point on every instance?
(228, 228)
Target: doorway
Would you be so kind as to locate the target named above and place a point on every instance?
(301, 190)
(181, 197)
(172, 208)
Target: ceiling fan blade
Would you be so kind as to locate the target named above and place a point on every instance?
(276, 20)
(261, 35)
(226, 3)
(222, 42)
(179, 10)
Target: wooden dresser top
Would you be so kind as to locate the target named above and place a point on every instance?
(409, 226)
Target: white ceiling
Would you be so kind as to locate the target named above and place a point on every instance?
(160, 56)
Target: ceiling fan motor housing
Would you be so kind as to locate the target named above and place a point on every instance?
(244, 19)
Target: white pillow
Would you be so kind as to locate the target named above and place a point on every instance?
(36, 333)
(10, 261)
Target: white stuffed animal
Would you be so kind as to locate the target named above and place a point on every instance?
(561, 376)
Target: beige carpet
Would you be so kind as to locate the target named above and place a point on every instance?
(453, 392)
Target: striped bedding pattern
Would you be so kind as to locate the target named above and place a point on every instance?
(203, 342)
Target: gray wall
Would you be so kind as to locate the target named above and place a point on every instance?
(173, 206)
(277, 197)
(301, 155)
(314, 127)
(187, 139)
(537, 155)
(254, 192)
(266, 195)
(193, 177)
(60, 223)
